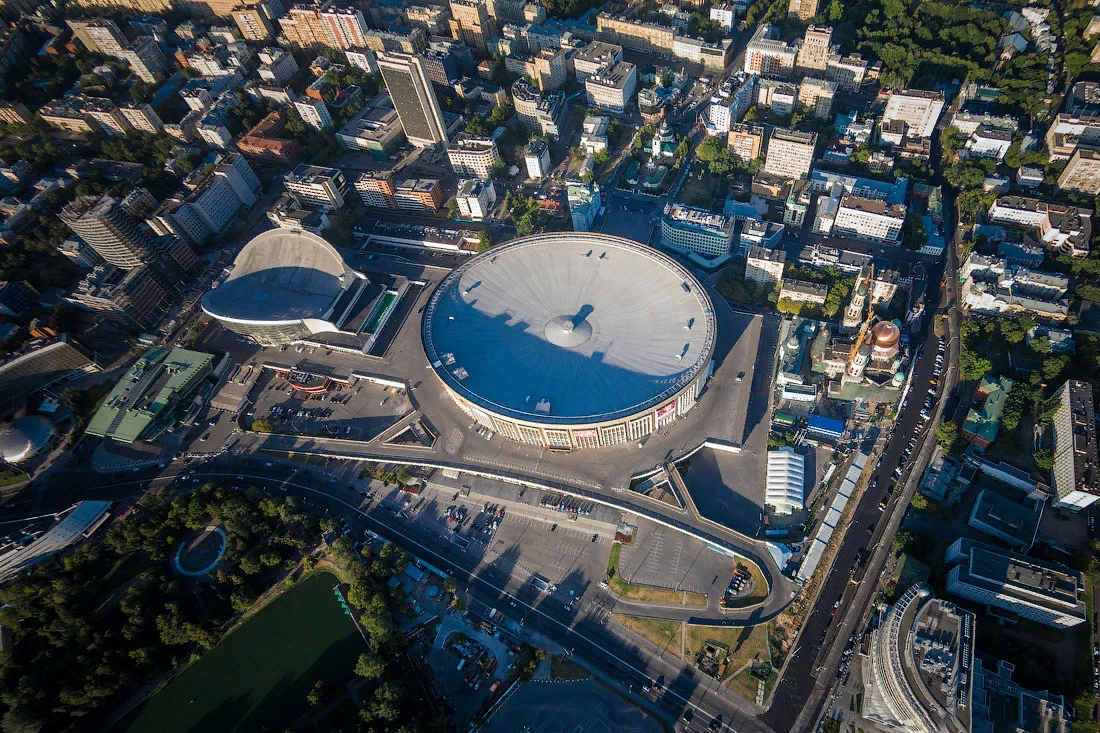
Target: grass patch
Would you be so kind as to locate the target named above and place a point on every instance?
(646, 593)
(663, 633)
(759, 589)
(7, 478)
(745, 643)
(562, 668)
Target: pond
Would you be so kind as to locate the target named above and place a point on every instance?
(258, 677)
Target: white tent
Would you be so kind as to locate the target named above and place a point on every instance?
(786, 480)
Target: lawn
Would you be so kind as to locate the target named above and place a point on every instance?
(699, 189)
(300, 457)
(745, 642)
(257, 678)
(663, 633)
(646, 593)
(565, 669)
(7, 478)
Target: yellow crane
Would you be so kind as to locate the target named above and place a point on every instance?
(866, 321)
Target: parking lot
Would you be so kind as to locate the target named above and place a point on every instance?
(664, 558)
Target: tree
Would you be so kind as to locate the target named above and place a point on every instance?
(947, 433)
(484, 240)
(449, 585)
(370, 665)
(319, 694)
(973, 366)
(263, 425)
(1044, 461)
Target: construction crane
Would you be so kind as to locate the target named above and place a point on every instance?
(866, 321)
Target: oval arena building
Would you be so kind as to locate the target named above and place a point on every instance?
(571, 340)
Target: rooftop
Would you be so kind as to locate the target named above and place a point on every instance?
(554, 329)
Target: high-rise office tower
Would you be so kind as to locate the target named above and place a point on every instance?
(413, 97)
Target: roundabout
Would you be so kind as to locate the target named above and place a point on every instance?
(201, 554)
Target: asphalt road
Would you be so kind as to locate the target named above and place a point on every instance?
(794, 689)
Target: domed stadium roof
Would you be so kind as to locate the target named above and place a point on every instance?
(24, 438)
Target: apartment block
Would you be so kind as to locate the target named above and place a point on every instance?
(302, 26)
(1056, 226)
(472, 24)
(276, 65)
(790, 153)
(318, 187)
(1082, 173)
(474, 157)
(1074, 479)
(803, 291)
(1067, 132)
(475, 199)
(849, 72)
(745, 141)
(613, 88)
(548, 69)
(817, 95)
(870, 220)
(418, 194)
(646, 37)
(764, 266)
(595, 57)
(802, 9)
(107, 116)
(537, 158)
(15, 113)
(142, 117)
(211, 203)
(536, 110)
(767, 56)
(346, 27)
(815, 49)
(376, 188)
(314, 113)
(253, 23)
(919, 110)
(134, 297)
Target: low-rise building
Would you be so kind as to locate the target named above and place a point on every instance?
(594, 134)
(375, 129)
(695, 230)
(785, 483)
(584, 205)
(1043, 592)
(289, 213)
(988, 142)
(475, 199)
(1082, 172)
(803, 291)
(992, 286)
(983, 420)
(1013, 523)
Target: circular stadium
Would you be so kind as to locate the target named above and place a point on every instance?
(283, 286)
(571, 340)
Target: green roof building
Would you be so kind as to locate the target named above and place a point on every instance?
(151, 396)
(982, 423)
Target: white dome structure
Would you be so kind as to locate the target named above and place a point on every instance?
(24, 438)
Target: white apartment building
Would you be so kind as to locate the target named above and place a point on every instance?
(919, 110)
(594, 134)
(848, 72)
(1057, 226)
(211, 203)
(364, 59)
(724, 14)
(694, 230)
(613, 87)
(142, 117)
(474, 157)
(277, 66)
(1074, 480)
(764, 266)
(214, 134)
(537, 158)
(988, 142)
(870, 220)
(475, 199)
(314, 113)
(803, 291)
(759, 233)
(768, 56)
(321, 188)
(145, 59)
(790, 153)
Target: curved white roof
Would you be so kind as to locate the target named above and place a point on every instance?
(281, 276)
(786, 480)
(569, 328)
(24, 438)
